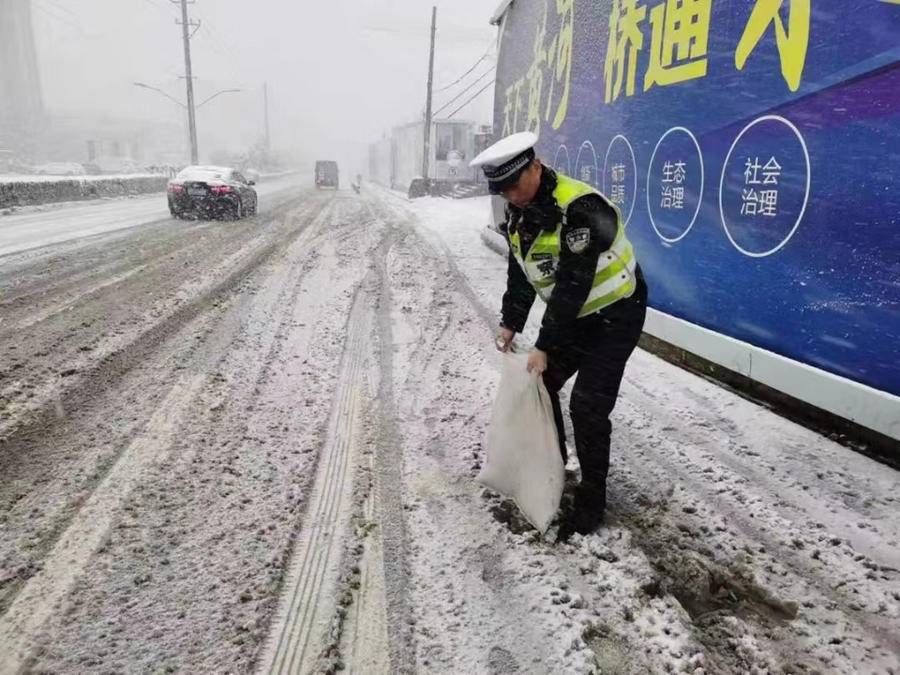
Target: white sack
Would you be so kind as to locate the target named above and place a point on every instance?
(523, 459)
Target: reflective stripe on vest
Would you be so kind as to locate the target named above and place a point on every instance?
(615, 276)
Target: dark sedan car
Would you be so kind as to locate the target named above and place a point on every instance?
(211, 192)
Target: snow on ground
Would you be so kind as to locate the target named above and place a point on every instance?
(456, 589)
(737, 539)
(44, 178)
(241, 446)
(145, 524)
(36, 226)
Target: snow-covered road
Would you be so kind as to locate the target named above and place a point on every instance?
(234, 447)
(35, 226)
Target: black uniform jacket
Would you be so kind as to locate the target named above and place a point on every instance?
(575, 274)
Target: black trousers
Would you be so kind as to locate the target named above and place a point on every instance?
(597, 350)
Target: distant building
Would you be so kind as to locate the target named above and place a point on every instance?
(21, 101)
(99, 138)
(396, 160)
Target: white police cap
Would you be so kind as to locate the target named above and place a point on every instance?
(504, 160)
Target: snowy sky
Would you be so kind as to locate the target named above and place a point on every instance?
(339, 72)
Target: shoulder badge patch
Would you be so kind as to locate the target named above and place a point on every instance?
(578, 239)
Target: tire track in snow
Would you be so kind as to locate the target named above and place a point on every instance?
(384, 587)
(389, 480)
(357, 638)
(70, 303)
(36, 602)
(124, 357)
(296, 637)
(38, 599)
(258, 336)
(53, 428)
(368, 639)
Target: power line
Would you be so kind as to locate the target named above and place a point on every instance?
(472, 98)
(216, 42)
(461, 93)
(221, 47)
(71, 22)
(64, 9)
(465, 74)
(162, 9)
(211, 30)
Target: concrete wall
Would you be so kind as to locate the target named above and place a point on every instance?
(28, 192)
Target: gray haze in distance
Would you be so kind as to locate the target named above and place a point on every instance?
(340, 73)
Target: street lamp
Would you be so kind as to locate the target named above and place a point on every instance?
(175, 100)
(218, 93)
(160, 91)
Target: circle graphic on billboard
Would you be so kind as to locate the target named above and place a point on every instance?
(562, 155)
(765, 186)
(675, 181)
(620, 176)
(586, 164)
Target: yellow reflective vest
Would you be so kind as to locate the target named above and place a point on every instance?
(615, 276)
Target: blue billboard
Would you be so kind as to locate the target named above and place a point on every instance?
(753, 148)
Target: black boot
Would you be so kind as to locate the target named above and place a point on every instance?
(587, 510)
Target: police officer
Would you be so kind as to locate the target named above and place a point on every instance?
(567, 244)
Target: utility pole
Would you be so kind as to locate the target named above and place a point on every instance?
(426, 159)
(266, 109)
(186, 36)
